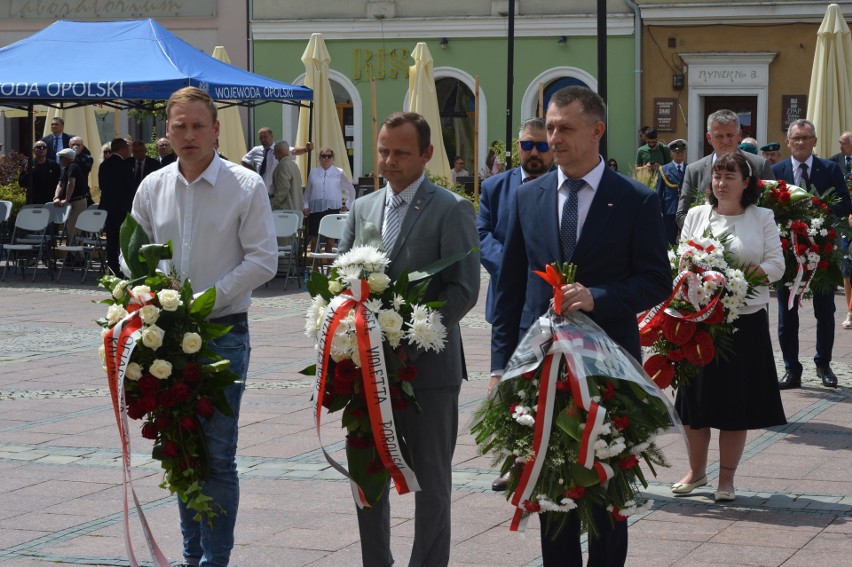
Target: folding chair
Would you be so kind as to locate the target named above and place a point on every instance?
(5, 215)
(30, 235)
(330, 227)
(86, 240)
(287, 225)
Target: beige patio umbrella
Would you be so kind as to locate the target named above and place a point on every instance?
(326, 131)
(830, 93)
(81, 121)
(423, 99)
(232, 140)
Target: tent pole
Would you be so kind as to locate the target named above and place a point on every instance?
(310, 135)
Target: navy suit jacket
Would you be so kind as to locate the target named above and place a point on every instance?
(824, 175)
(51, 154)
(621, 257)
(492, 223)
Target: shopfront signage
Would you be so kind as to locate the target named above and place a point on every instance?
(380, 64)
(97, 9)
(793, 107)
(718, 75)
(665, 114)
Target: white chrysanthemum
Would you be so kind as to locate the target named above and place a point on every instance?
(394, 339)
(390, 321)
(426, 330)
(314, 317)
(816, 222)
(373, 305)
(547, 505)
(526, 420)
(419, 313)
(397, 302)
(366, 258)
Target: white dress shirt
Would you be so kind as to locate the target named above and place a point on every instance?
(255, 158)
(585, 196)
(326, 188)
(220, 226)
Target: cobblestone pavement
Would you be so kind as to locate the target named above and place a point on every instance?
(60, 462)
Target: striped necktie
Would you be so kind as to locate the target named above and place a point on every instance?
(392, 222)
(570, 219)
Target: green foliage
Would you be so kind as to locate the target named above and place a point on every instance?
(17, 195)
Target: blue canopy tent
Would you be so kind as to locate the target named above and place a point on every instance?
(34, 70)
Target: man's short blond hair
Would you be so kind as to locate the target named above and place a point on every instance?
(191, 94)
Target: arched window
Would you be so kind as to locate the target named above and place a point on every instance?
(551, 81)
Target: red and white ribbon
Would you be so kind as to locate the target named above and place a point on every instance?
(797, 289)
(654, 316)
(376, 383)
(119, 343)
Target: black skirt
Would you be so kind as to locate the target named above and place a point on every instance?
(738, 393)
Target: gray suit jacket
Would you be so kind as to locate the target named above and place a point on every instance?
(699, 176)
(438, 224)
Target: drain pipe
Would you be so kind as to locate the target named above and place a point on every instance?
(637, 48)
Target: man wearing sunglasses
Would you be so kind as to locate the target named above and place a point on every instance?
(40, 177)
(497, 192)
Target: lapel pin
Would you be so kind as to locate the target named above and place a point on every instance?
(609, 204)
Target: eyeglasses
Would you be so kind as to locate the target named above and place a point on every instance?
(326, 156)
(528, 145)
(797, 139)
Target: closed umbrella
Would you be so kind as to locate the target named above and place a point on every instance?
(232, 140)
(81, 121)
(327, 131)
(423, 99)
(830, 93)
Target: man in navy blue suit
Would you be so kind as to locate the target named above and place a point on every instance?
(497, 192)
(806, 170)
(611, 228)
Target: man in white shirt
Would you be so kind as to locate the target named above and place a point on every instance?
(262, 158)
(218, 218)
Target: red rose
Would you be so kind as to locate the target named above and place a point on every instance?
(359, 442)
(182, 392)
(342, 386)
(824, 208)
(832, 234)
(167, 398)
(191, 372)
(782, 185)
(163, 422)
(147, 403)
(563, 386)
(135, 411)
(823, 264)
(205, 407)
(649, 335)
(815, 247)
(609, 393)
(785, 244)
(616, 513)
(188, 423)
(801, 249)
(677, 331)
(575, 493)
(828, 248)
(356, 412)
(528, 375)
(629, 462)
(148, 385)
(784, 198)
(407, 373)
(376, 466)
(170, 449)
(346, 371)
(149, 431)
(399, 405)
(532, 507)
(799, 227)
(621, 422)
(513, 407)
(816, 201)
(700, 350)
(660, 370)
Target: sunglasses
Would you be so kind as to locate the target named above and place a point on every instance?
(325, 156)
(528, 145)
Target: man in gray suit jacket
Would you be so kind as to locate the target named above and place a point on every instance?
(421, 223)
(724, 134)
(843, 158)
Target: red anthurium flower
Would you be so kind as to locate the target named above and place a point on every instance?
(528, 375)
(677, 331)
(675, 355)
(700, 350)
(717, 316)
(660, 370)
(649, 335)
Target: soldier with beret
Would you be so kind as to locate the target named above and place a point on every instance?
(771, 152)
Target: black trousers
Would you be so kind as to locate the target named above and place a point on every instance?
(112, 228)
(608, 550)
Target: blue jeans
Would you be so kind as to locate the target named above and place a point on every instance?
(201, 544)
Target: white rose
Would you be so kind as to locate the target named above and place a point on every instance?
(162, 369)
(134, 371)
(118, 290)
(169, 299)
(390, 321)
(335, 287)
(378, 281)
(152, 337)
(141, 290)
(115, 313)
(150, 314)
(191, 343)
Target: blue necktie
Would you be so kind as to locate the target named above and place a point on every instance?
(568, 226)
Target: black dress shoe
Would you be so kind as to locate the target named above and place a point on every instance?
(829, 380)
(500, 484)
(790, 380)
